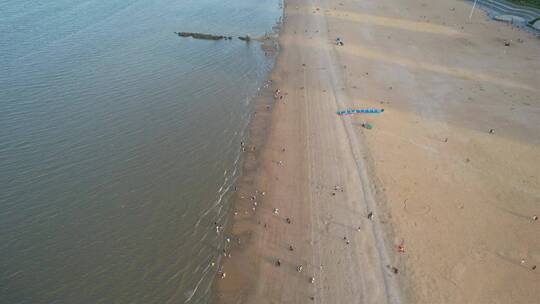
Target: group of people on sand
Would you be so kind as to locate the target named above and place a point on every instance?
(243, 146)
(218, 227)
(278, 262)
(277, 94)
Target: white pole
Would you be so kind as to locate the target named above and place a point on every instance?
(472, 10)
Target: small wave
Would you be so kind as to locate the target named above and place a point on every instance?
(198, 284)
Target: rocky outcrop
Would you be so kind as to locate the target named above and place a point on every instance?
(202, 36)
(245, 38)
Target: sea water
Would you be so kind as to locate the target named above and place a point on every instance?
(119, 142)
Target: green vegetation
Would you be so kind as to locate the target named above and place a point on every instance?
(531, 3)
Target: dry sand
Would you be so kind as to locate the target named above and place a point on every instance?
(459, 198)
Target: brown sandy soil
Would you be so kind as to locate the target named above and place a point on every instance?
(459, 198)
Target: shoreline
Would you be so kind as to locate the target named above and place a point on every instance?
(235, 238)
(343, 213)
(239, 235)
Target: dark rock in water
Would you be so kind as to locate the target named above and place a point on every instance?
(245, 38)
(201, 36)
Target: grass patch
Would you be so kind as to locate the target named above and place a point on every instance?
(531, 3)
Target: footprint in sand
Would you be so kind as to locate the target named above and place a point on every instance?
(416, 208)
(326, 221)
(478, 253)
(456, 275)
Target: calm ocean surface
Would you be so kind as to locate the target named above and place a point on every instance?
(118, 142)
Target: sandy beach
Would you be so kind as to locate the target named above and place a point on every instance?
(433, 204)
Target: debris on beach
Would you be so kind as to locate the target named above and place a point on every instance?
(535, 218)
(291, 248)
(299, 268)
(312, 280)
(367, 125)
(393, 269)
(370, 215)
(276, 211)
(278, 262)
(491, 131)
(288, 220)
(400, 248)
